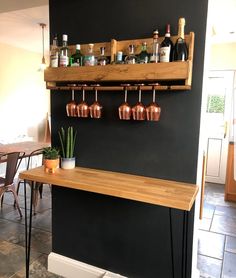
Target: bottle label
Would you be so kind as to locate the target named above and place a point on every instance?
(64, 61)
(76, 63)
(165, 54)
(54, 61)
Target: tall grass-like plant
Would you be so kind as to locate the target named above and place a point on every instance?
(67, 140)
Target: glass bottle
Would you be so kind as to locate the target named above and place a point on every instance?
(155, 48)
(131, 58)
(143, 56)
(54, 55)
(102, 59)
(89, 58)
(180, 52)
(166, 48)
(76, 60)
(64, 52)
(119, 58)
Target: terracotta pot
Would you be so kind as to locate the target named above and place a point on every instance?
(50, 165)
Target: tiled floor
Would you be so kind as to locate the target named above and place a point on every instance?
(217, 235)
(12, 240)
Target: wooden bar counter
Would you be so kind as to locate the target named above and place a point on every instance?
(166, 193)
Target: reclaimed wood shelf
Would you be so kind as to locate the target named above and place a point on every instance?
(161, 192)
(113, 75)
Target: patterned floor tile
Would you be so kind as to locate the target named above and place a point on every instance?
(224, 225)
(37, 269)
(205, 224)
(211, 244)
(226, 211)
(229, 265)
(209, 267)
(12, 258)
(230, 245)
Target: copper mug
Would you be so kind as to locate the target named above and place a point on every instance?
(83, 108)
(153, 111)
(95, 109)
(138, 111)
(71, 107)
(125, 109)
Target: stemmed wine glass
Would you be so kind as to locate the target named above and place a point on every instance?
(138, 111)
(125, 109)
(83, 108)
(71, 107)
(153, 111)
(95, 109)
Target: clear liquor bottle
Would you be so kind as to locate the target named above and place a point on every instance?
(76, 60)
(143, 57)
(155, 48)
(89, 58)
(64, 52)
(102, 59)
(166, 50)
(119, 58)
(131, 58)
(54, 55)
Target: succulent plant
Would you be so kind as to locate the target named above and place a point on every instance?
(50, 153)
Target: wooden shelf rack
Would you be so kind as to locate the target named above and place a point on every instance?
(171, 76)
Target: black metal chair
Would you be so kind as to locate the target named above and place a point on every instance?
(38, 186)
(13, 161)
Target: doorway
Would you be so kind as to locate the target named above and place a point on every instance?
(217, 119)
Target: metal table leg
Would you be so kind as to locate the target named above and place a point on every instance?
(28, 229)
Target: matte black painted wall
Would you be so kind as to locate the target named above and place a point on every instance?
(167, 149)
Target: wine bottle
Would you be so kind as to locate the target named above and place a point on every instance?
(166, 48)
(180, 52)
(154, 58)
(64, 52)
(54, 55)
(143, 57)
(76, 60)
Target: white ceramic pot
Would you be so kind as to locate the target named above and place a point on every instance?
(68, 163)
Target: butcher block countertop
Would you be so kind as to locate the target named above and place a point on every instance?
(154, 191)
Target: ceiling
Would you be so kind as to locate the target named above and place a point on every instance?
(19, 23)
(22, 19)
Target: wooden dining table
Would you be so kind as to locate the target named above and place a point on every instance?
(26, 146)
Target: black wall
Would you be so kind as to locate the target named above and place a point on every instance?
(167, 149)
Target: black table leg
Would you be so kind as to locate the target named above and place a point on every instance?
(28, 229)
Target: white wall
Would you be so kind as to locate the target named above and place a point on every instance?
(223, 56)
(24, 100)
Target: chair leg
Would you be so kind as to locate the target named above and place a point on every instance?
(41, 190)
(16, 200)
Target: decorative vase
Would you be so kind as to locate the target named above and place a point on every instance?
(68, 163)
(50, 165)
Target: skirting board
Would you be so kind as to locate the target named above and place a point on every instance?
(70, 268)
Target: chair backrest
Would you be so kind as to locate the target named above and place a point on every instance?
(13, 161)
(32, 155)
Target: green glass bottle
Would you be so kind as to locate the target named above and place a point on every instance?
(76, 60)
(143, 57)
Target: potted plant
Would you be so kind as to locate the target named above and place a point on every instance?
(50, 159)
(67, 140)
